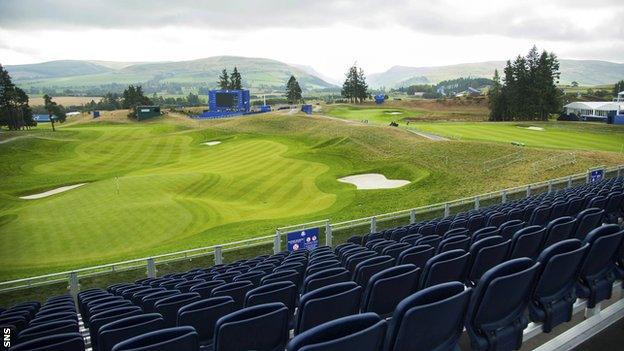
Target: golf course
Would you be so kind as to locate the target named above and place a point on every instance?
(173, 183)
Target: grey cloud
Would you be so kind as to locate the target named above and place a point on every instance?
(518, 20)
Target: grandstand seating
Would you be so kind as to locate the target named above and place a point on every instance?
(492, 265)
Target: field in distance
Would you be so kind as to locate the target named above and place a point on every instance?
(65, 100)
(154, 187)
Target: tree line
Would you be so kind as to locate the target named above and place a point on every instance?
(528, 89)
(354, 87)
(230, 82)
(15, 113)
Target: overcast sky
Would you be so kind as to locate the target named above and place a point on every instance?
(328, 35)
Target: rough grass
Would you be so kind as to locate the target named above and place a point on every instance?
(174, 193)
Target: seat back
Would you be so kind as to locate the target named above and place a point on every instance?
(387, 288)
(365, 269)
(205, 289)
(445, 267)
(484, 233)
(285, 292)
(168, 307)
(112, 333)
(45, 329)
(458, 242)
(327, 303)
(558, 230)
(495, 318)
(553, 297)
(416, 255)
(65, 342)
(204, 314)
(527, 242)
(363, 332)
(586, 221)
(485, 254)
(236, 290)
(324, 278)
(431, 319)
(262, 327)
(509, 228)
(148, 301)
(540, 215)
(169, 339)
(102, 318)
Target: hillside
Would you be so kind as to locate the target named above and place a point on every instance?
(258, 74)
(585, 72)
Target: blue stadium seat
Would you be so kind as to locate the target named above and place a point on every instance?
(64, 342)
(587, 220)
(598, 268)
(169, 339)
(416, 255)
(457, 242)
(363, 332)
(365, 269)
(326, 304)
(395, 249)
(559, 229)
(485, 254)
(387, 288)
(496, 219)
(614, 205)
(411, 239)
(558, 209)
(282, 276)
(102, 318)
(324, 278)
(598, 202)
(262, 327)
(495, 318)
(237, 290)
(138, 296)
(321, 266)
(148, 301)
(527, 242)
(227, 277)
(475, 222)
(455, 232)
(509, 228)
(575, 205)
(168, 307)
(204, 314)
(431, 319)
(442, 227)
(285, 292)
(445, 267)
(123, 329)
(45, 329)
(53, 317)
(484, 233)
(540, 215)
(432, 240)
(205, 289)
(554, 296)
(184, 287)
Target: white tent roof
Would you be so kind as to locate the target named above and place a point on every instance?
(594, 105)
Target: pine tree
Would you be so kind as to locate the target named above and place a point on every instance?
(618, 87)
(354, 87)
(224, 80)
(293, 90)
(235, 80)
(56, 112)
(15, 113)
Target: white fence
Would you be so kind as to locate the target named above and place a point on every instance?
(331, 231)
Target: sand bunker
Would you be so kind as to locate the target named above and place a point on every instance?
(52, 192)
(394, 113)
(211, 143)
(535, 128)
(373, 181)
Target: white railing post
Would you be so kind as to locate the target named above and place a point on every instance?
(550, 186)
(590, 312)
(447, 209)
(328, 234)
(619, 171)
(218, 255)
(412, 216)
(504, 197)
(151, 268)
(74, 286)
(528, 190)
(373, 227)
(476, 203)
(569, 182)
(277, 242)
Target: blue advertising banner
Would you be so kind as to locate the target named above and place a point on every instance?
(596, 175)
(303, 239)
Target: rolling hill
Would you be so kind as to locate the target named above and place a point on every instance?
(585, 72)
(258, 73)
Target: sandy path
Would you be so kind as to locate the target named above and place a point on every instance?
(373, 181)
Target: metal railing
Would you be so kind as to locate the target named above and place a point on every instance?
(331, 231)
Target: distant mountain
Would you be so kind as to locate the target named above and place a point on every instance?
(585, 72)
(311, 71)
(258, 74)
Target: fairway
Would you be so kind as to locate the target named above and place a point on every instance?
(155, 187)
(560, 135)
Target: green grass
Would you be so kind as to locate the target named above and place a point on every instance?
(559, 135)
(174, 193)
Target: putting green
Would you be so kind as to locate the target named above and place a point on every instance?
(153, 187)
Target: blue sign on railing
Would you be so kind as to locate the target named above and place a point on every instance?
(596, 175)
(303, 239)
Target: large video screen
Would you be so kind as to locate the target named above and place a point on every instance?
(225, 100)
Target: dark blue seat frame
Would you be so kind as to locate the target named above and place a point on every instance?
(327, 303)
(387, 288)
(169, 339)
(445, 267)
(123, 329)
